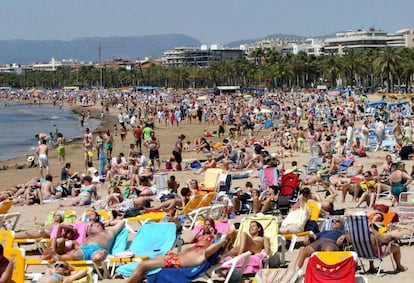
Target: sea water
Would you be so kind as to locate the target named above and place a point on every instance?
(19, 124)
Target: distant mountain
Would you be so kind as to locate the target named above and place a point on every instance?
(86, 49)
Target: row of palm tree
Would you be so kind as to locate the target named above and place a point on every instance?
(370, 68)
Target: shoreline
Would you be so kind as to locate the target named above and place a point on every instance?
(8, 166)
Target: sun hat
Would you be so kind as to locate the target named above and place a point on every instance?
(30, 158)
(221, 194)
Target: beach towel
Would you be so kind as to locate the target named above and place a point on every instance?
(341, 272)
(82, 229)
(183, 274)
(152, 239)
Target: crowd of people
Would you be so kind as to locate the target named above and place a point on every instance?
(333, 131)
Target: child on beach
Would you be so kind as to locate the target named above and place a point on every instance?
(115, 131)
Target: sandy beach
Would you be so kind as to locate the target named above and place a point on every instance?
(167, 135)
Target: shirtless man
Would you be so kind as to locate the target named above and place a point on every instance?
(60, 142)
(42, 152)
(6, 268)
(41, 136)
(96, 244)
(48, 190)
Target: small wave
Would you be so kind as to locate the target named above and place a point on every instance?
(54, 117)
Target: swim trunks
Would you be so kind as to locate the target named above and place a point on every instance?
(61, 150)
(89, 249)
(43, 160)
(172, 261)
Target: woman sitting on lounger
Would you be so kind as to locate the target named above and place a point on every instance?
(254, 241)
(64, 241)
(44, 230)
(86, 192)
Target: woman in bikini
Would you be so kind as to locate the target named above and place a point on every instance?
(61, 272)
(44, 230)
(64, 241)
(254, 241)
(205, 236)
(86, 192)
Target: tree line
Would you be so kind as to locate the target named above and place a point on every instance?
(387, 67)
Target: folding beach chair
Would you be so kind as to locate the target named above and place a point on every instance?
(16, 256)
(331, 267)
(314, 209)
(152, 239)
(8, 220)
(202, 209)
(69, 216)
(100, 268)
(210, 182)
(360, 234)
(188, 274)
(268, 177)
(405, 209)
(279, 275)
(271, 228)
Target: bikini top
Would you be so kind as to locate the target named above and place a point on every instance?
(86, 189)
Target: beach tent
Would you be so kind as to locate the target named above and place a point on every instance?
(397, 105)
(376, 104)
(269, 103)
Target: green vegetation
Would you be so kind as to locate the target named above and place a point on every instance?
(273, 70)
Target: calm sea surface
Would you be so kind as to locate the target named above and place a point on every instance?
(20, 123)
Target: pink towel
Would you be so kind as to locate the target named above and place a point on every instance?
(81, 227)
(254, 264)
(222, 227)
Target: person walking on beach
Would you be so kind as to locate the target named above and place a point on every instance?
(153, 145)
(60, 142)
(138, 137)
(177, 151)
(88, 147)
(42, 152)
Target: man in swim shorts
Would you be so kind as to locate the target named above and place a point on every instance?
(96, 244)
(42, 152)
(329, 240)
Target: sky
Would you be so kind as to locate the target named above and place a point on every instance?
(209, 21)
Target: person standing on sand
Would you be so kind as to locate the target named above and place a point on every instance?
(42, 152)
(60, 142)
(40, 137)
(88, 147)
(177, 151)
(153, 144)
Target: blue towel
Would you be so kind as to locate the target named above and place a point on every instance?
(120, 242)
(152, 239)
(183, 274)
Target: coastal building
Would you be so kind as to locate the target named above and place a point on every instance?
(368, 39)
(401, 38)
(356, 40)
(314, 47)
(200, 57)
(47, 66)
(12, 68)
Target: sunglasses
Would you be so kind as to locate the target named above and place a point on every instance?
(336, 221)
(61, 265)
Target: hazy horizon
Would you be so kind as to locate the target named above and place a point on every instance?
(214, 21)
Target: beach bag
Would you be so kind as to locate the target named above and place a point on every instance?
(195, 164)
